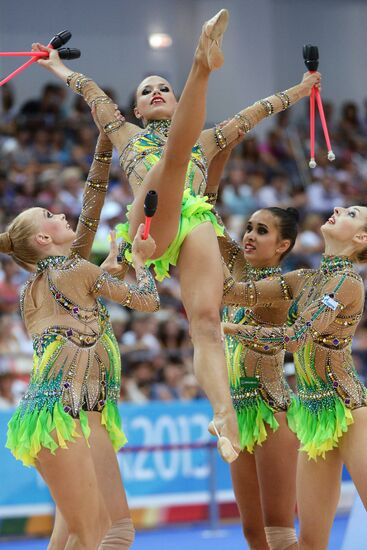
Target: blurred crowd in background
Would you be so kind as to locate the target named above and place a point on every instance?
(46, 148)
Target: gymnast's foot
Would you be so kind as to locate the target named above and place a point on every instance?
(228, 446)
(209, 49)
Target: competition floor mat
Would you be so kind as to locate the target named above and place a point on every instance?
(228, 536)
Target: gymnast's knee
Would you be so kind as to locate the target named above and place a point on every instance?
(253, 535)
(205, 323)
(120, 536)
(280, 538)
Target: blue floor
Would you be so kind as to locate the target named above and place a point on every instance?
(181, 538)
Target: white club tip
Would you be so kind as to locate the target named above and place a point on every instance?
(331, 156)
(312, 163)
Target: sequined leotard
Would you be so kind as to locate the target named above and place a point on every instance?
(323, 316)
(140, 149)
(256, 378)
(76, 366)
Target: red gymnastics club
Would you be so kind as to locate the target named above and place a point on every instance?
(57, 41)
(150, 206)
(311, 58)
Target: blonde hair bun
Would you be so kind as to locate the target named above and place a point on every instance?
(6, 246)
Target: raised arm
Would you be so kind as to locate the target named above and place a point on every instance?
(93, 197)
(231, 251)
(217, 165)
(341, 292)
(119, 132)
(218, 138)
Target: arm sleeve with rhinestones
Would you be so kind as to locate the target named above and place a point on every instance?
(232, 253)
(215, 171)
(93, 198)
(318, 321)
(142, 296)
(268, 291)
(248, 118)
(119, 132)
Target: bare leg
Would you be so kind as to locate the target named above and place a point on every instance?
(60, 533)
(353, 450)
(247, 492)
(276, 462)
(71, 478)
(167, 177)
(318, 490)
(107, 470)
(201, 279)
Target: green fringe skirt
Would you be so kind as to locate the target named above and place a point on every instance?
(319, 425)
(195, 211)
(253, 417)
(31, 430)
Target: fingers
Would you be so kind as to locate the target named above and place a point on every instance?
(36, 46)
(118, 114)
(140, 231)
(113, 245)
(151, 241)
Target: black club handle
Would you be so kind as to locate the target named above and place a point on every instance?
(150, 203)
(60, 39)
(69, 53)
(311, 57)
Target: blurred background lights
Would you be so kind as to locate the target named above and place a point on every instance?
(159, 40)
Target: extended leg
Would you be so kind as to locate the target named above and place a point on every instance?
(167, 177)
(201, 279)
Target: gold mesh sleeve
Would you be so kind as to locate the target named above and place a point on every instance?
(142, 296)
(267, 291)
(248, 118)
(318, 321)
(119, 132)
(93, 198)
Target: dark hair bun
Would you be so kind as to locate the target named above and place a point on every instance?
(294, 213)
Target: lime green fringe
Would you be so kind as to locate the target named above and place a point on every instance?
(319, 431)
(112, 421)
(195, 211)
(29, 432)
(251, 423)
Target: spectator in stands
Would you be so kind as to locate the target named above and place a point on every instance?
(7, 398)
(9, 286)
(170, 386)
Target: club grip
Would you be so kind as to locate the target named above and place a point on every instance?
(60, 39)
(69, 53)
(311, 57)
(150, 203)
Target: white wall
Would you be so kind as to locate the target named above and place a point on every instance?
(262, 46)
